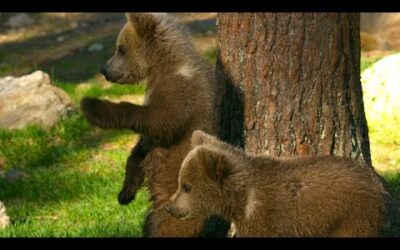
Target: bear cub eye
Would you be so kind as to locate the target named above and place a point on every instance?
(121, 49)
(186, 187)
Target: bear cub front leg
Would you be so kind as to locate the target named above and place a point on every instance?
(105, 114)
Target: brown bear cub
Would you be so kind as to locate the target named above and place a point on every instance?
(181, 96)
(263, 196)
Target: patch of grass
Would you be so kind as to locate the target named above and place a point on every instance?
(115, 90)
(4, 69)
(393, 180)
(35, 146)
(211, 55)
(74, 173)
(66, 69)
(70, 203)
(366, 62)
(72, 183)
(95, 89)
(70, 89)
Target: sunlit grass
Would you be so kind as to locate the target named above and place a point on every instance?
(385, 150)
(384, 137)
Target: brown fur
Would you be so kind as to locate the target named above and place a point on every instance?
(277, 197)
(180, 98)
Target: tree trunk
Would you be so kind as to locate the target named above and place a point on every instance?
(293, 84)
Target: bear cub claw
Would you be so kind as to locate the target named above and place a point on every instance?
(126, 195)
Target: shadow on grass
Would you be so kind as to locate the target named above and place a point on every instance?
(53, 185)
(81, 65)
(393, 182)
(97, 215)
(35, 147)
(75, 66)
(63, 52)
(205, 27)
(50, 158)
(69, 60)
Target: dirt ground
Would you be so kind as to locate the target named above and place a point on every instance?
(61, 39)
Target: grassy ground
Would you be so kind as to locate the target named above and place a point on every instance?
(75, 171)
(74, 174)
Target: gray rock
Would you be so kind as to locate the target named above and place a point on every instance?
(19, 20)
(4, 219)
(15, 175)
(60, 38)
(381, 89)
(74, 25)
(31, 99)
(95, 47)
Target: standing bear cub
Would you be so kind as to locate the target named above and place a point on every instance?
(277, 197)
(181, 96)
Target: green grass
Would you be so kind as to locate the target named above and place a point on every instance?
(72, 183)
(384, 135)
(94, 89)
(393, 180)
(211, 55)
(74, 173)
(367, 62)
(115, 90)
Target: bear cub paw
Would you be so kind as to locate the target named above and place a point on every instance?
(126, 195)
(93, 109)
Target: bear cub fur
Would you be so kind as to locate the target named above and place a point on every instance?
(321, 196)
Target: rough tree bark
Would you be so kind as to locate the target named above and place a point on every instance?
(293, 84)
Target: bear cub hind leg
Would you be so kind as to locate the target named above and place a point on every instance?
(134, 174)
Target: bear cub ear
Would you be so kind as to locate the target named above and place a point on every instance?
(144, 23)
(133, 18)
(199, 138)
